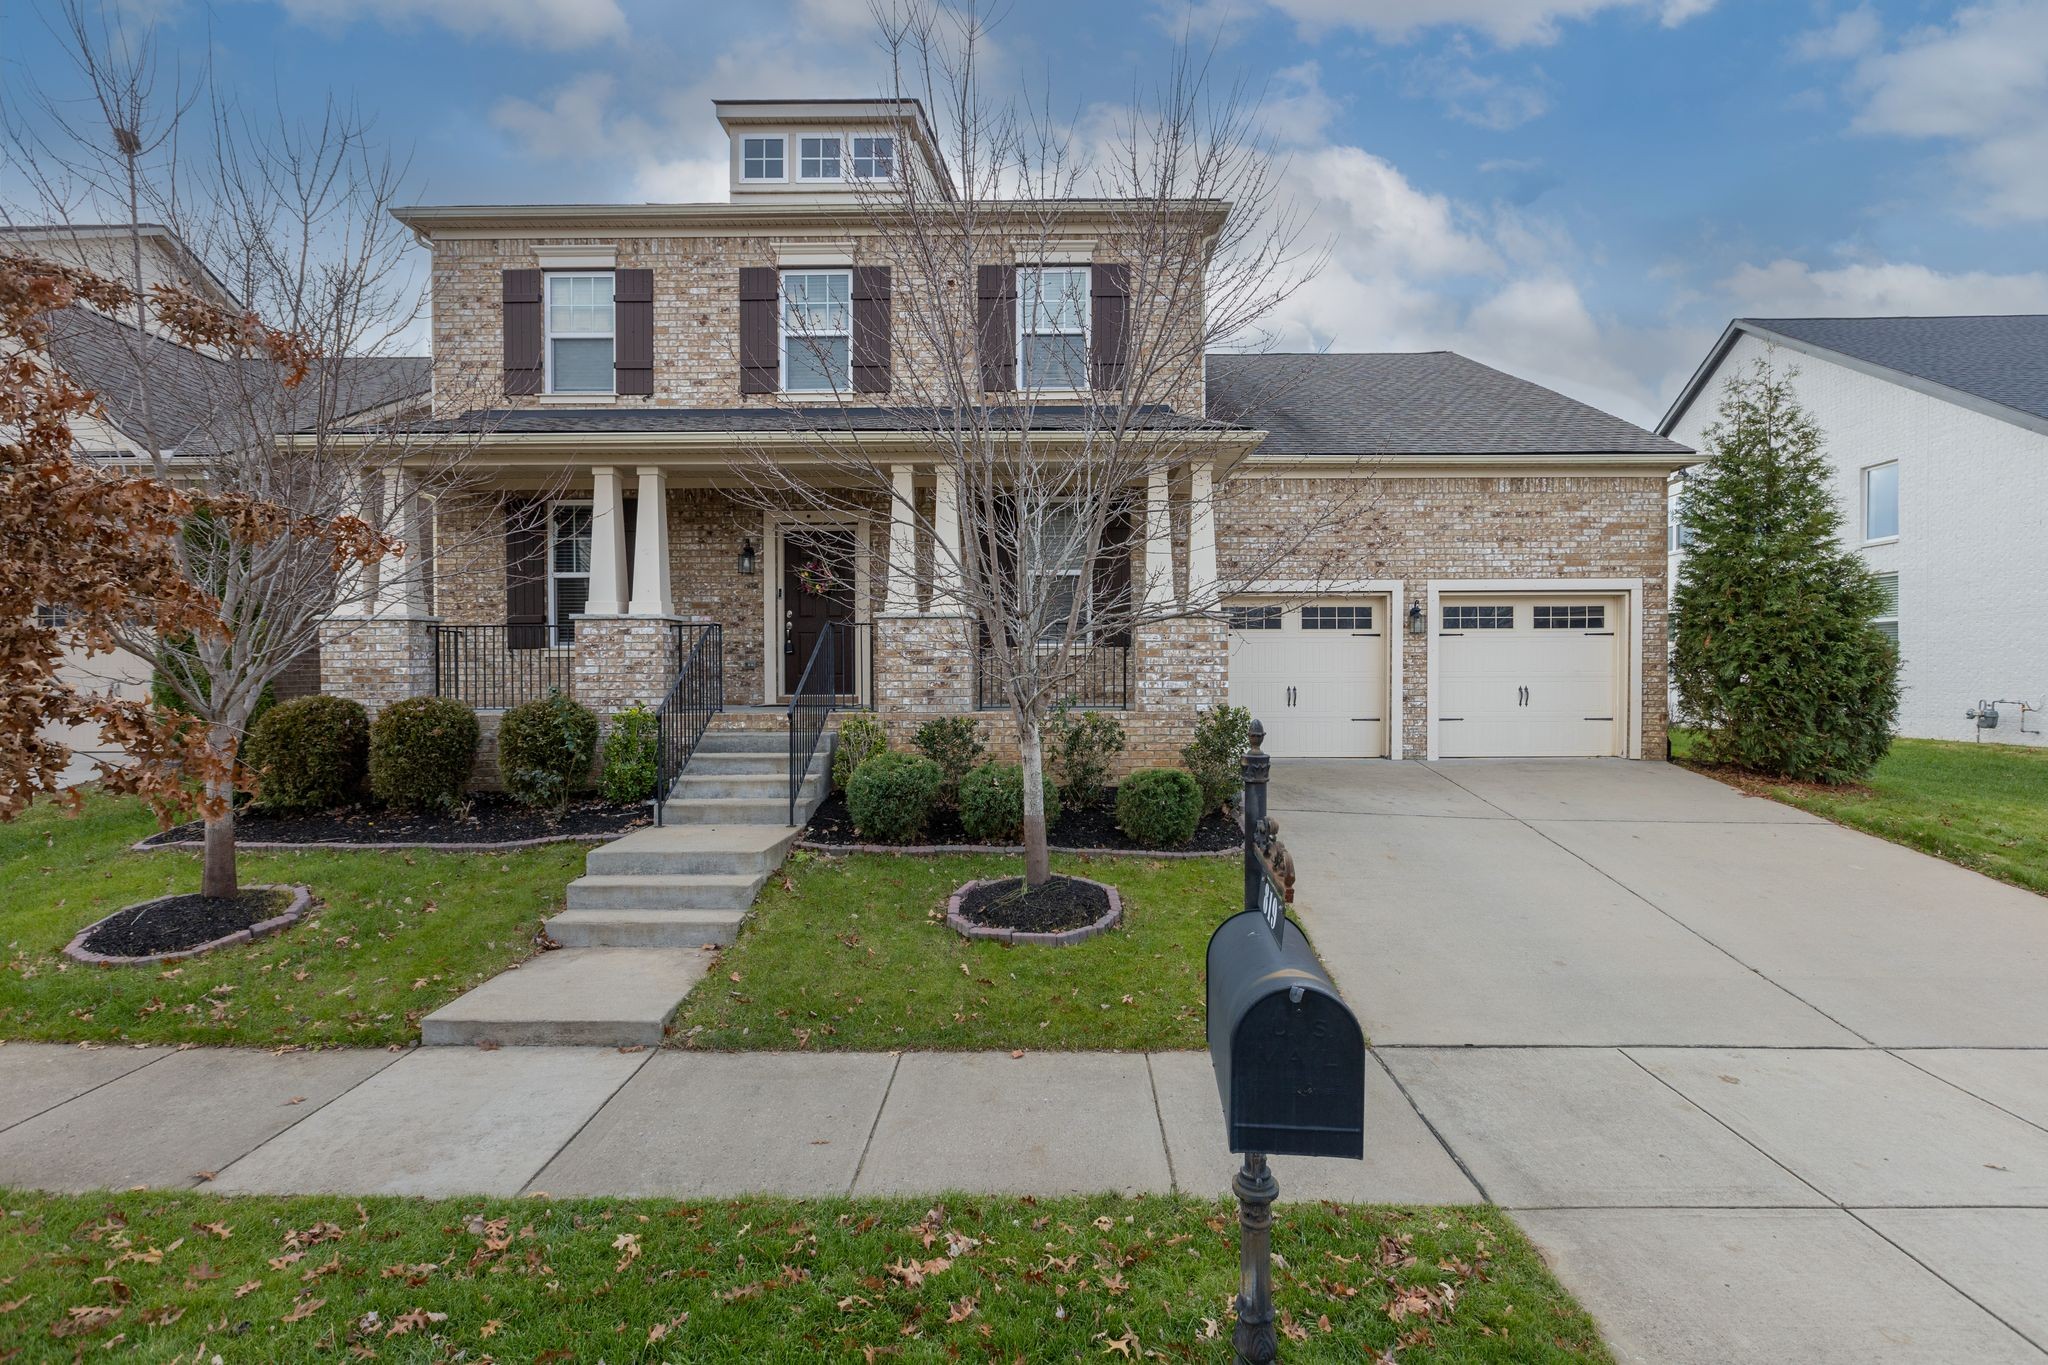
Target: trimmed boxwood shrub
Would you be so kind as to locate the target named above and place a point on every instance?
(860, 739)
(992, 803)
(1215, 757)
(545, 749)
(630, 755)
(421, 753)
(954, 743)
(313, 753)
(891, 796)
(1079, 747)
(1159, 807)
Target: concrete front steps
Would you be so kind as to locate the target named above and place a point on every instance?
(650, 903)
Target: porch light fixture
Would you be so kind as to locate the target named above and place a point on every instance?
(747, 562)
(1416, 623)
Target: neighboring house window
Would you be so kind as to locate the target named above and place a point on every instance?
(761, 158)
(581, 333)
(55, 618)
(817, 158)
(874, 158)
(1881, 501)
(1052, 321)
(1887, 620)
(1058, 575)
(568, 568)
(817, 331)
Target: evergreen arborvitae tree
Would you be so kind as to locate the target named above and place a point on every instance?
(1775, 656)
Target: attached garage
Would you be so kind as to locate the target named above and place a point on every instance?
(1530, 675)
(1315, 673)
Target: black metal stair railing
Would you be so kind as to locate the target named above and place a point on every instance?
(696, 695)
(811, 703)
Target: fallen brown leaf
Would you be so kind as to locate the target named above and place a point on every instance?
(305, 1309)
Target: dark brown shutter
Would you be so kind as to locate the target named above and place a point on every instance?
(1111, 287)
(523, 339)
(760, 366)
(995, 314)
(871, 329)
(1111, 575)
(633, 354)
(526, 573)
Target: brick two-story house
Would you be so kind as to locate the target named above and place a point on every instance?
(1505, 596)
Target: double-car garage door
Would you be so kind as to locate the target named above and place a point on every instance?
(1518, 675)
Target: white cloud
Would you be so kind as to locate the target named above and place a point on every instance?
(1384, 224)
(1787, 288)
(1980, 82)
(1853, 33)
(1295, 109)
(1475, 97)
(534, 23)
(574, 120)
(1509, 23)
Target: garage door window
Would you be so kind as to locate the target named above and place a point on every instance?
(1479, 618)
(1571, 618)
(1254, 618)
(1336, 618)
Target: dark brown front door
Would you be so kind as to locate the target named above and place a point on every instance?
(817, 592)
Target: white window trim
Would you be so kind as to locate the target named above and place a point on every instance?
(1087, 329)
(782, 334)
(1863, 488)
(895, 158)
(795, 164)
(740, 155)
(548, 334)
(551, 625)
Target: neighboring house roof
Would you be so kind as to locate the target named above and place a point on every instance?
(745, 421)
(1398, 403)
(1992, 363)
(30, 237)
(186, 386)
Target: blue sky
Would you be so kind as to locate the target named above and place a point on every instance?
(1580, 191)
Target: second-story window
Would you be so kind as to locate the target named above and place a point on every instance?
(817, 331)
(1052, 321)
(761, 158)
(874, 158)
(817, 158)
(1881, 501)
(581, 332)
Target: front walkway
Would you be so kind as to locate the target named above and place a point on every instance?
(1760, 1086)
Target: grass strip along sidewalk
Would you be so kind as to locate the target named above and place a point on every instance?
(1980, 806)
(853, 954)
(393, 935)
(167, 1275)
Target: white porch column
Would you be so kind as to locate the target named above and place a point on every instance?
(607, 544)
(651, 594)
(902, 598)
(401, 581)
(1158, 543)
(946, 556)
(1201, 534)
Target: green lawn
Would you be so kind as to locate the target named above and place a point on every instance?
(393, 936)
(163, 1276)
(853, 953)
(1983, 806)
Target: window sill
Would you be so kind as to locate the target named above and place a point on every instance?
(1881, 540)
(578, 400)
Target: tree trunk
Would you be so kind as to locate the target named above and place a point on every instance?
(1037, 859)
(217, 877)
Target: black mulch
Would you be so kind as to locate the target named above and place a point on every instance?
(491, 818)
(1061, 903)
(177, 922)
(1086, 829)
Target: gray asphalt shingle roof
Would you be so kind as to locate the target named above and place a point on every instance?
(1410, 403)
(2002, 358)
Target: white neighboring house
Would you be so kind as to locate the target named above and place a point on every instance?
(1937, 428)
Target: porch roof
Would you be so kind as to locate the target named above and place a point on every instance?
(758, 421)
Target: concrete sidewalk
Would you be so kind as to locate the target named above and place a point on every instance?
(585, 1121)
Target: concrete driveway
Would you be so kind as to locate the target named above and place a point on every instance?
(1761, 1087)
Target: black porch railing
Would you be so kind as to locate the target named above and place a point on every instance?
(696, 695)
(811, 703)
(493, 667)
(1099, 678)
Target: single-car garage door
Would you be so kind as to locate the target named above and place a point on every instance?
(1315, 674)
(1529, 677)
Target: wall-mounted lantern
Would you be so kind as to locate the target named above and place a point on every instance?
(748, 562)
(1416, 624)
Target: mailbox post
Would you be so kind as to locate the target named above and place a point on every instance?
(1288, 1053)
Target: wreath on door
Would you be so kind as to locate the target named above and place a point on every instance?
(816, 578)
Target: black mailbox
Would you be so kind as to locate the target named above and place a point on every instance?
(1290, 1058)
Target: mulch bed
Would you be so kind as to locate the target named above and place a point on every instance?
(491, 818)
(1061, 903)
(175, 923)
(1089, 830)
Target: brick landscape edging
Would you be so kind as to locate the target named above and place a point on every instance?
(275, 846)
(967, 928)
(934, 850)
(302, 896)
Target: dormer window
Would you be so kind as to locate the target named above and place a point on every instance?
(761, 158)
(818, 158)
(874, 158)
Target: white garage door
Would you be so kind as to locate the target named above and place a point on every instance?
(1529, 677)
(1314, 674)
